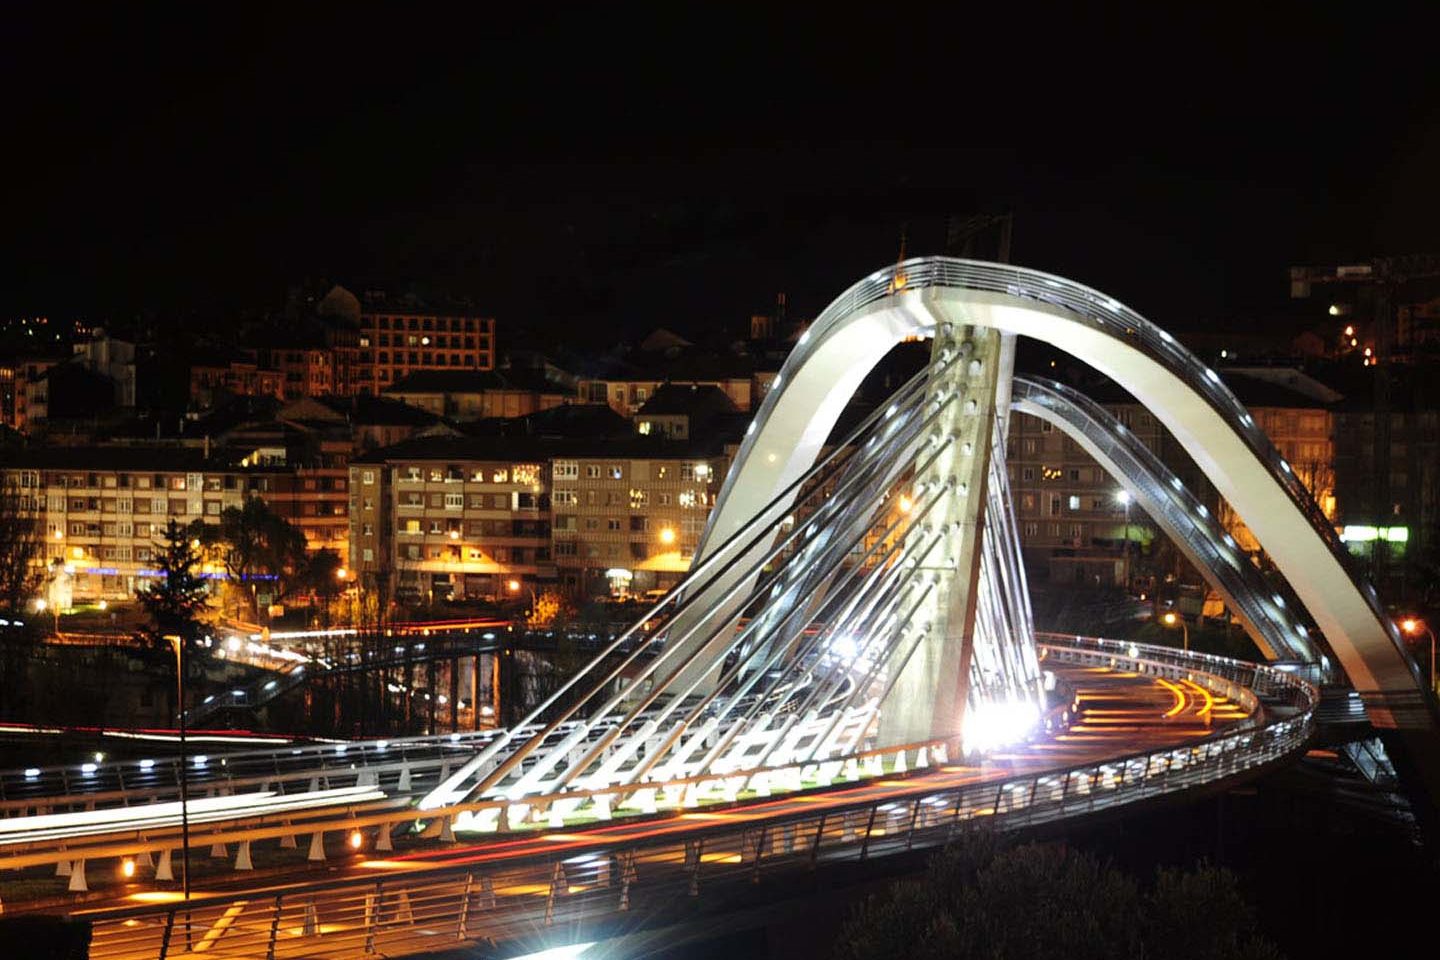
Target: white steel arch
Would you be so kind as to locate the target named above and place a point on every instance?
(917, 297)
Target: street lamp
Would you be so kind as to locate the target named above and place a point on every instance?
(179, 644)
(1170, 619)
(1412, 626)
(1123, 497)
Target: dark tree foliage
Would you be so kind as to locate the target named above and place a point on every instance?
(21, 550)
(175, 599)
(21, 543)
(254, 542)
(978, 901)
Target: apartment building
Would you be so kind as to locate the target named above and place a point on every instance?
(394, 344)
(103, 510)
(1075, 522)
(493, 517)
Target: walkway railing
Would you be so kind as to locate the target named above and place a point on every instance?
(408, 909)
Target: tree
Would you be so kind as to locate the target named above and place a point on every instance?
(21, 545)
(1051, 901)
(21, 550)
(175, 599)
(254, 543)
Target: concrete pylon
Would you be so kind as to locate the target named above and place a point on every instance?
(77, 878)
(928, 698)
(317, 847)
(404, 785)
(383, 842)
(62, 868)
(447, 830)
(218, 851)
(242, 856)
(163, 869)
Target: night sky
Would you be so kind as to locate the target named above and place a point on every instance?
(592, 172)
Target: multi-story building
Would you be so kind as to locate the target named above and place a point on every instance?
(478, 394)
(209, 382)
(495, 516)
(394, 343)
(22, 386)
(102, 510)
(1075, 523)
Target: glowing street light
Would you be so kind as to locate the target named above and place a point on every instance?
(667, 535)
(1170, 619)
(906, 504)
(513, 586)
(341, 574)
(1413, 626)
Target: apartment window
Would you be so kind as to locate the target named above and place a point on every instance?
(592, 471)
(1074, 503)
(1054, 505)
(367, 504)
(1028, 446)
(368, 555)
(212, 508)
(639, 524)
(159, 505)
(454, 501)
(1074, 476)
(435, 527)
(124, 530)
(367, 530)
(612, 523)
(1077, 531)
(1032, 530)
(663, 499)
(77, 529)
(564, 498)
(592, 523)
(565, 470)
(412, 526)
(1046, 426)
(616, 473)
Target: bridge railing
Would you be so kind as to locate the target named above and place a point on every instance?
(409, 909)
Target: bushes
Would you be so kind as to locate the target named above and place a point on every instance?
(979, 900)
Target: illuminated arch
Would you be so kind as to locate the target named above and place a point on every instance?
(914, 298)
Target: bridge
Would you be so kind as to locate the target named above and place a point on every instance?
(849, 670)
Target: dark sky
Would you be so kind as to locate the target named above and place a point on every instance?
(591, 171)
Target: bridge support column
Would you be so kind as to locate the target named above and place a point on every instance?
(928, 698)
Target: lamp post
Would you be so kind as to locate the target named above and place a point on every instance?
(1170, 619)
(1412, 626)
(1123, 497)
(179, 645)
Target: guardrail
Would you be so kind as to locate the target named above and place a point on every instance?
(427, 909)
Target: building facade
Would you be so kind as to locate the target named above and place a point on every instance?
(493, 518)
(392, 345)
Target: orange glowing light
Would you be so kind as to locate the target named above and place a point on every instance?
(127, 868)
(357, 839)
(1410, 625)
(667, 535)
(513, 586)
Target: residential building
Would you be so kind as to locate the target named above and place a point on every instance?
(491, 516)
(478, 394)
(394, 342)
(22, 389)
(211, 383)
(104, 509)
